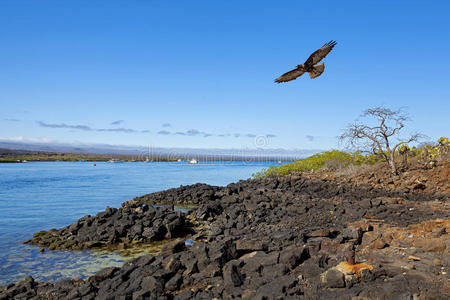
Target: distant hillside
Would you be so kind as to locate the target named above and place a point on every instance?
(142, 151)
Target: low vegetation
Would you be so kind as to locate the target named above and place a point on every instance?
(334, 159)
(338, 160)
(12, 156)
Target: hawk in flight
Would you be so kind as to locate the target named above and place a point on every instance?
(310, 65)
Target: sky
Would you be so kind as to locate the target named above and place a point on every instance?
(200, 74)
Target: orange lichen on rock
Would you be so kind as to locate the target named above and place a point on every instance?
(430, 235)
(414, 258)
(349, 269)
(432, 224)
(440, 209)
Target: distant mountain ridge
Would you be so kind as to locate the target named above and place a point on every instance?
(282, 154)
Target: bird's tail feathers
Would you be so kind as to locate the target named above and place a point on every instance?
(317, 70)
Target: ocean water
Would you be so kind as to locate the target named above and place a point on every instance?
(38, 196)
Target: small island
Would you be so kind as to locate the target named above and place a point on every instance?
(19, 156)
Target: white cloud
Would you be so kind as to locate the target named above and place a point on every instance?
(26, 140)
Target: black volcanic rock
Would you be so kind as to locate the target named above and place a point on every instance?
(113, 226)
(271, 238)
(189, 195)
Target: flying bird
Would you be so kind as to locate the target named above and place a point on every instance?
(310, 65)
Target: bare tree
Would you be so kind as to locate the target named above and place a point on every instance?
(379, 133)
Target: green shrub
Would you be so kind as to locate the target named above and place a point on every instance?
(334, 159)
(443, 141)
(432, 152)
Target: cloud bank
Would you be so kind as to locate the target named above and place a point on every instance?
(88, 128)
(196, 132)
(189, 132)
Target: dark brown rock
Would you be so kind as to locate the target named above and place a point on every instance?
(232, 275)
(333, 279)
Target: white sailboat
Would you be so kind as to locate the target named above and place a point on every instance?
(114, 160)
(147, 159)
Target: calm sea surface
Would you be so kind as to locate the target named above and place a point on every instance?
(38, 196)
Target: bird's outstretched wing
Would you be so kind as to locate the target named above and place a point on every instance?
(320, 54)
(317, 70)
(291, 75)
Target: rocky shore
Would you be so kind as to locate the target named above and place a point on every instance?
(116, 227)
(295, 237)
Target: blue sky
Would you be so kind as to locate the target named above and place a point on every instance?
(205, 70)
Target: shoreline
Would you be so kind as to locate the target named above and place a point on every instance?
(198, 161)
(288, 236)
(10, 155)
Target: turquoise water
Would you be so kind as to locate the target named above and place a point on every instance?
(38, 196)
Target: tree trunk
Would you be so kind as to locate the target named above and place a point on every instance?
(392, 165)
(405, 160)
